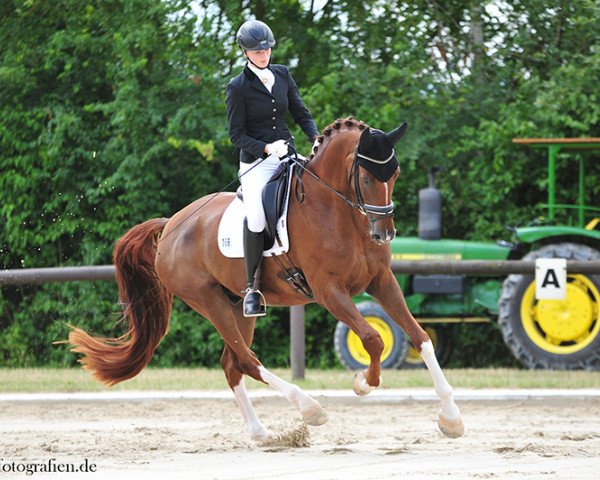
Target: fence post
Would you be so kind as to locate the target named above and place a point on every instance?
(297, 341)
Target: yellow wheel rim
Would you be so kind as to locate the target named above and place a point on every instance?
(355, 346)
(413, 357)
(564, 326)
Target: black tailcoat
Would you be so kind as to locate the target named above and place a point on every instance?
(256, 116)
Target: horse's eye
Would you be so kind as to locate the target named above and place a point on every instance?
(366, 180)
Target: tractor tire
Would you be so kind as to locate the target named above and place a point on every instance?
(352, 354)
(442, 339)
(553, 334)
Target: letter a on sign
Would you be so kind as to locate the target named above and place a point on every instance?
(550, 278)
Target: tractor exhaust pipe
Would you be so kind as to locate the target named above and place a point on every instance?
(430, 209)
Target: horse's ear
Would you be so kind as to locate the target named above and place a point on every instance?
(396, 135)
(365, 139)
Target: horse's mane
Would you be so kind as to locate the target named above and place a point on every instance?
(330, 130)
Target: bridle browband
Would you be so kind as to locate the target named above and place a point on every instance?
(373, 212)
(374, 160)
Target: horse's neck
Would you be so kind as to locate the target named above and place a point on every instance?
(333, 168)
(331, 164)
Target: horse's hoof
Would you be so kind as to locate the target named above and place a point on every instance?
(261, 435)
(451, 428)
(315, 415)
(360, 385)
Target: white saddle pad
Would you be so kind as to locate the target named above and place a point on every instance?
(231, 230)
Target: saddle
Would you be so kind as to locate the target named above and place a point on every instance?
(276, 197)
(275, 200)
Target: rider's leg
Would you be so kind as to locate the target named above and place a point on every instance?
(254, 177)
(253, 252)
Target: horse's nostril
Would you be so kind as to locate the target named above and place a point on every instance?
(375, 236)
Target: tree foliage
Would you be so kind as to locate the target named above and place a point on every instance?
(113, 112)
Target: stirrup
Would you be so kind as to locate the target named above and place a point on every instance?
(254, 304)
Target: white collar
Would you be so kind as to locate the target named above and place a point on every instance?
(265, 75)
(260, 72)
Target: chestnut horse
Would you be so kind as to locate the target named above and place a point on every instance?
(341, 250)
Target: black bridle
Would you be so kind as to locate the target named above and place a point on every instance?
(373, 212)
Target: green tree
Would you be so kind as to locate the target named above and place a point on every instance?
(113, 112)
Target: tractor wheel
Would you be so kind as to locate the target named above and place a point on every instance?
(441, 337)
(350, 350)
(553, 334)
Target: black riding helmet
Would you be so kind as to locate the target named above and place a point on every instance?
(255, 35)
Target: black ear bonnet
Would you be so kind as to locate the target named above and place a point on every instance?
(375, 151)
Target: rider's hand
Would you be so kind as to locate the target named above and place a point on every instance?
(278, 148)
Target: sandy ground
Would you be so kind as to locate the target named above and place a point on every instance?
(206, 439)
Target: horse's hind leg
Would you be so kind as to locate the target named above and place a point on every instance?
(224, 317)
(312, 412)
(238, 337)
(235, 378)
(310, 409)
(389, 294)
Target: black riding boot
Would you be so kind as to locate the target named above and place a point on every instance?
(253, 250)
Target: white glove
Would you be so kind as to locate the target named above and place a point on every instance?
(278, 148)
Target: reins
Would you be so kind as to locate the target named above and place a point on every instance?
(300, 164)
(380, 211)
(364, 208)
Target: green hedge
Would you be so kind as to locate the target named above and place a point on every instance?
(28, 338)
(113, 112)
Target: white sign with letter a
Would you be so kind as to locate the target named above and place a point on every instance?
(550, 278)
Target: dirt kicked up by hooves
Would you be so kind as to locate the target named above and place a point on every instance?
(296, 437)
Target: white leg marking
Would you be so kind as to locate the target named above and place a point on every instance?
(310, 409)
(450, 421)
(255, 427)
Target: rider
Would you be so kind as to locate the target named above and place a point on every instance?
(257, 102)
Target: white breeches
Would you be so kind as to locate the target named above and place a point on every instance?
(253, 183)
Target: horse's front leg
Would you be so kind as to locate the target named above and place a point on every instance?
(340, 305)
(387, 292)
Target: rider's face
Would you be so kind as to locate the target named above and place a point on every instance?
(259, 57)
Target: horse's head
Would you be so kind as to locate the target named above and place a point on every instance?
(371, 170)
(373, 174)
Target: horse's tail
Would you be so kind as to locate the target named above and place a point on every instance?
(146, 309)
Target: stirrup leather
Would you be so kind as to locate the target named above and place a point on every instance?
(254, 303)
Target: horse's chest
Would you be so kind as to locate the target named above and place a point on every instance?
(358, 272)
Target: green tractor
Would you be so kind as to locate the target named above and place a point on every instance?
(548, 334)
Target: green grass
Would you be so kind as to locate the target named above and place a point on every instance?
(77, 380)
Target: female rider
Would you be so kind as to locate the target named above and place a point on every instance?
(257, 102)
